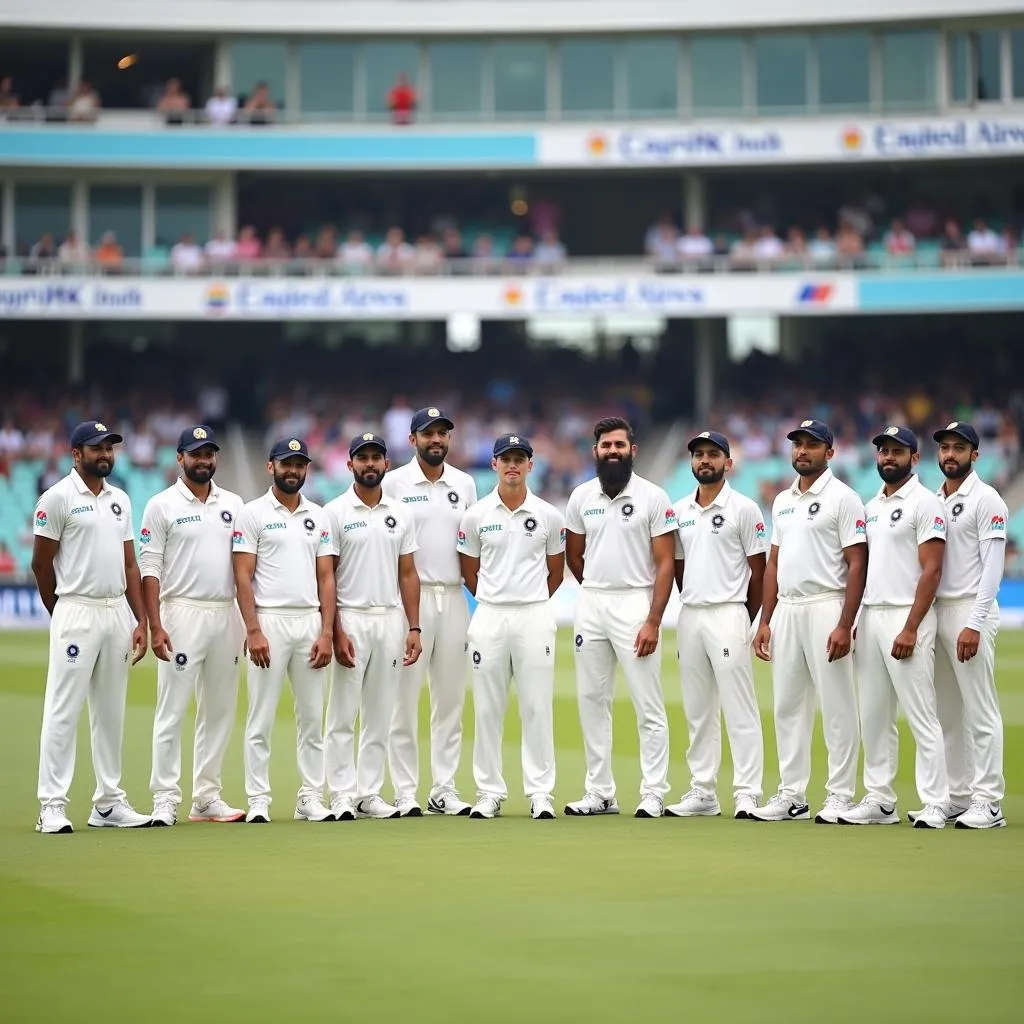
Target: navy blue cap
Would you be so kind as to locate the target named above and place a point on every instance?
(512, 443)
(818, 430)
(720, 440)
(199, 436)
(964, 430)
(901, 435)
(364, 441)
(424, 417)
(287, 447)
(93, 432)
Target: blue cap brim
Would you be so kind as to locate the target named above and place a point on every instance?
(110, 435)
(193, 446)
(879, 438)
(940, 434)
(794, 434)
(710, 440)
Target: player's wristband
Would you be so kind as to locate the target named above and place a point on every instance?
(415, 629)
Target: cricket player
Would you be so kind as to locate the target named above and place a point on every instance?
(284, 583)
(620, 546)
(83, 559)
(373, 545)
(512, 549)
(196, 631)
(813, 585)
(436, 495)
(720, 562)
(967, 619)
(895, 656)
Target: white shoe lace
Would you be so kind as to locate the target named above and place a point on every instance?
(696, 796)
(934, 810)
(834, 803)
(778, 800)
(979, 805)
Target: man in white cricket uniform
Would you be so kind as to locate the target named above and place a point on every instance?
(284, 583)
(813, 585)
(374, 539)
(436, 495)
(720, 561)
(83, 559)
(196, 631)
(967, 623)
(895, 653)
(511, 545)
(620, 546)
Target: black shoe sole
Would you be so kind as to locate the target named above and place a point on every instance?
(546, 816)
(258, 820)
(66, 831)
(416, 812)
(347, 816)
(158, 824)
(819, 820)
(644, 814)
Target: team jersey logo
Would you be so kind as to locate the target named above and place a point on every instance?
(529, 524)
(309, 524)
(579, 641)
(453, 498)
(476, 658)
(116, 509)
(227, 517)
(145, 536)
(40, 518)
(325, 536)
(897, 515)
(628, 510)
(939, 524)
(236, 536)
(813, 509)
(180, 661)
(957, 509)
(998, 523)
(860, 526)
(390, 522)
(72, 653)
(717, 522)
(670, 516)
(462, 538)
(759, 530)
(561, 536)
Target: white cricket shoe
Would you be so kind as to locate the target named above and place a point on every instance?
(53, 820)
(447, 801)
(486, 807)
(952, 810)
(933, 816)
(833, 807)
(343, 809)
(981, 814)
(408, 807)
(781, 808)
(118, 815)
(650, 806)
(259, 813)
(312, 808)
(869, 812)
(165, 813)
(745, 806)
(591, 804)
(215, 810)
(375, 807)
(696, 804)
(541, 808)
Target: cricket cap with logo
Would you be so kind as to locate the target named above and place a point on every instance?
(93, 432)
(964, 430)
(901, 435)
(199, 436)
(365, 441)
(512, 443)
(423, 418)
(717, 439)
(288, 447)
(814, 428)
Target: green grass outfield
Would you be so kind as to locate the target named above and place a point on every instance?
(442, 919)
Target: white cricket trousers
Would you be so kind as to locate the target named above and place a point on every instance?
(207, 640)
(90, 647)
(883, 680)
(718, 678)
(291, 634)
(607, 622)
(507, 641)
(968, 706)
(801, 674)
(444, 619)
(369, 690)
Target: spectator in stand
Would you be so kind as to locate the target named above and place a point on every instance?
(663, 244)
(175, 103)
(85, 103)
(303, 248)
(276, 248)
(849, 246)
(354, 255)
(984, 245)
(898, 240)
(327, 243)
(485, 259)
(8, 566)
(922, 220)
(248, 246)
(952, 244)
(796, 247)
(695, 246)
(549, 254)
(221, 107)
(186, 256)
(142, 447)
(108, 254)
(395, 255)
(661, 229)
(451, 243)
(396, 424)
(73, 252)
(1011, 245)
(220, 249)
(743, 253)
(822, 249)
(429, 257)
(44, 251)
(520, 256)
(8, 97)
(58, 100)
(720, 247)
(12, 440)
(50, 474)
(259, 107)
(768, 248)
(402, 100)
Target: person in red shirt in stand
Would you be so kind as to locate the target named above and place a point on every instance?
(402, 101)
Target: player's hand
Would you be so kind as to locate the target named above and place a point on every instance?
(259, 648)
(763, 642)
(413, 648)
(839, 643)
(139, 645)
(967, 644)
(344, 649)
(646, 642)
(904, 644)
(320, 652)
(161, 643)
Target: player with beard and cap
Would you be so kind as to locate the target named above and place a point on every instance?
(895, 656)
(720, 560)
(83, 559)
(620, 546)
(196, 632)
(967, 623)
(284, 582)
(812, 589)
(436, 495)
(373, 545)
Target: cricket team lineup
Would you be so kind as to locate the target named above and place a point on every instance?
(361, 601)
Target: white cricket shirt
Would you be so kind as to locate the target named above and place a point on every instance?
(368, 542)
(714, 543)
(186, 543)
(512, 547)
(619, 531)
(92, 530)
(436, 510)
(974, 513)
(897, 526)
(810, 530)
(286, 545)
